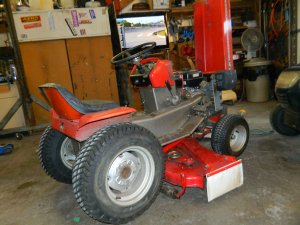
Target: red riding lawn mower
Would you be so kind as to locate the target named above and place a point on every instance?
(118, 159)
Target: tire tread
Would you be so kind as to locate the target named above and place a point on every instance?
(276, 121)
(220, 133)
(46, 150)
(87, 157)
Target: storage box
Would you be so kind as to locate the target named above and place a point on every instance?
(4, 88)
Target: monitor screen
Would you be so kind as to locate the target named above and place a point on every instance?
(138, 28)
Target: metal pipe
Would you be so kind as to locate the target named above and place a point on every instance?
(121, 71)
(40, 103)
(10, 113)
(24, 93)
(23, 129)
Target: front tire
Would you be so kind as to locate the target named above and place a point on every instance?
(57, 155)
(230, 135)
(277, 122)
(118, 173)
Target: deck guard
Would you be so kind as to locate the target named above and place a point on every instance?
(224, 179)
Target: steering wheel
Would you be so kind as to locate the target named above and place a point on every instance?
(132, 53)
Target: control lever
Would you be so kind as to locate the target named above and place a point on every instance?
(174, 98)
(140, 68)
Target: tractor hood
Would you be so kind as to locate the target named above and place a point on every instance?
(287, 79)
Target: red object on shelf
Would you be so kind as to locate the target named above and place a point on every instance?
(213, 41)
(187, 50)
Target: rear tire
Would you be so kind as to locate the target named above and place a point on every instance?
(276, 120)
(230, 135)
(57, 155)
(118, 173)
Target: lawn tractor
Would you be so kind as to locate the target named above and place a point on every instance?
(285, 118)
(118, 159)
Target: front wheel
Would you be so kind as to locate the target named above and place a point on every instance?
(230, 135)
(118, 173)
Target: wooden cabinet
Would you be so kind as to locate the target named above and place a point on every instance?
(93, 76)
(43, 62)
(82, 65)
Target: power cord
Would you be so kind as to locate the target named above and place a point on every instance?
(260, 132)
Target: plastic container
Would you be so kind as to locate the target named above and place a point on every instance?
(41, 4)
(258, 90)
(92, 4)
(257, 82)
(67, 4)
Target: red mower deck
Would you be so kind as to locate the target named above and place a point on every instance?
(188, 164)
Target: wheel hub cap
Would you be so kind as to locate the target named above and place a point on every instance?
(67, 153)
(238, 138)
(130, 175)
(123, 171)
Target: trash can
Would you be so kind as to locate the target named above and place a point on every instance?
(256, 72)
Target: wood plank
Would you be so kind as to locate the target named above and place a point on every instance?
(92, 73)
(125, 3)
(188, 9)
(45, 61)
(242, 4)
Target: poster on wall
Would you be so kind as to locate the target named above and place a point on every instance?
(60, 24)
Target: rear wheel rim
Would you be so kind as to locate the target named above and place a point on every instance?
(67, 153)
(238, 138)
(130, 176)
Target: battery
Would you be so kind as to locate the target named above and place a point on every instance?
(190, 78)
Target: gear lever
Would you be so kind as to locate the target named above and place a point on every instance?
(174, 98)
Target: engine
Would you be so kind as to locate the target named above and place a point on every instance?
(160, 87)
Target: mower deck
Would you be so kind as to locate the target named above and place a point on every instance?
(188, 164)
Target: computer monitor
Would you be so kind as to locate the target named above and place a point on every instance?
(141, 27)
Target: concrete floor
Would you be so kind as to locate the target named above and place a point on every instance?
(270, 194)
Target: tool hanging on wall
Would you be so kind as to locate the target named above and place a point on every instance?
(173, 31)
(279, 18)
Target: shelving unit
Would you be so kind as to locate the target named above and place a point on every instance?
(239, 9)
(9, 93)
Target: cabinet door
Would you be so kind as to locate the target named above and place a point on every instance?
(45, 61)
(93, 75)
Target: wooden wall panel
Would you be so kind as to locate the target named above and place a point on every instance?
(45, 61)
(93, 75)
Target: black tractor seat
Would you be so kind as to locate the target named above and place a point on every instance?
(83, 107)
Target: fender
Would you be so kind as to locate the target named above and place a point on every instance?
(84, 127)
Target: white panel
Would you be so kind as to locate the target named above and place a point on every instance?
(50, 25)
(7, 100)
(225, 181)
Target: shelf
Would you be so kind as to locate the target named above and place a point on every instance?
(239, 27)
(188, 9)
(238, 49)
(241, 5)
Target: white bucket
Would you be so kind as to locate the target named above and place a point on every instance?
(258, 90)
